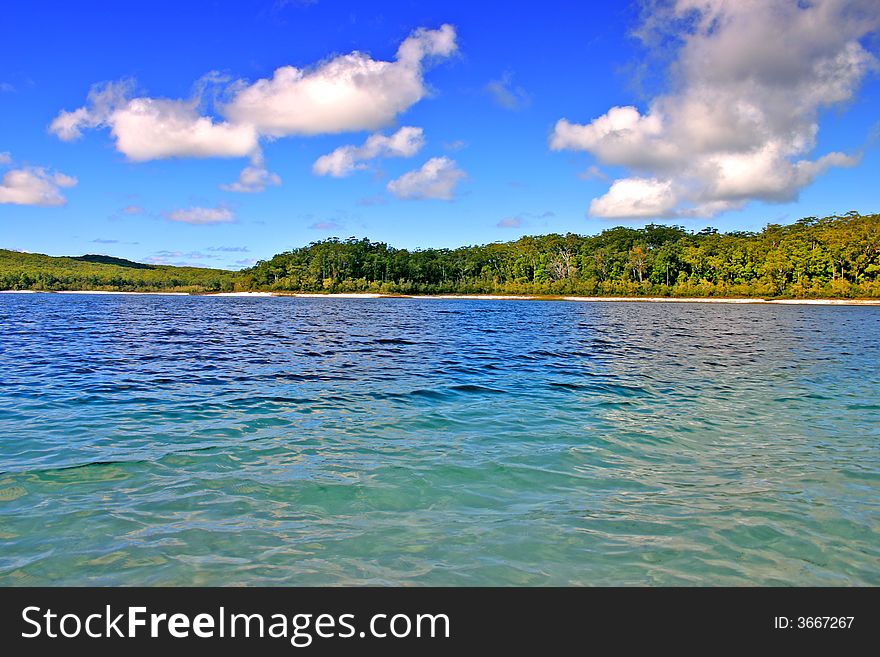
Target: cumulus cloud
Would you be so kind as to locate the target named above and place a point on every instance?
(343, 94)
(155, 128)
(32, 185)
(507, 95)
(509, 222)
(406, 142)
(253, 178)
(436, 179)
(635, 197)
(201, 216)
(347, 93)
(749, 81)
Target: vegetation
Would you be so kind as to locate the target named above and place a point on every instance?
(836, 256)
(832, 257)
(33, 271)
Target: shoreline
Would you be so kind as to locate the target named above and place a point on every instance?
(476, 297)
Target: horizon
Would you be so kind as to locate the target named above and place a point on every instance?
(212, 152)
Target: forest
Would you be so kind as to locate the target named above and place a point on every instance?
(34, 271)
(830, 257)
(836, 256)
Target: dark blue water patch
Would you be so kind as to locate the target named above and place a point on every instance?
(393, 341)
(470, 388)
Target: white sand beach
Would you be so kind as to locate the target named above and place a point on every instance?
(340, 295)
(484, 297)
(828, 302)
(118, 293)
(796, 302)
(487, 297)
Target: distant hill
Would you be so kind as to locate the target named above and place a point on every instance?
(35, 271)
(110, 260)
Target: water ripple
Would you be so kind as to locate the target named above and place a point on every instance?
(186, 440)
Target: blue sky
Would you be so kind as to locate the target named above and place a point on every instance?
(679, 112)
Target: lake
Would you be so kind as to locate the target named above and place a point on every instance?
(157, 440)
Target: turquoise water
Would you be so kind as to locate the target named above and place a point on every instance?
(186, 440)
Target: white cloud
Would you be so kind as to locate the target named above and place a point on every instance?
(635, 197)
(345, 94)
(622, 136)
(506, 94)
(436, 179)
(509, 222)
(593, 172)
(749, 80)
(150, 129)
(32, 185)
(62, 180)
(68, 126)
(253, 178)
(406, 142)
(155, 128)
(132, 209)
(455, 145)
(201, 216)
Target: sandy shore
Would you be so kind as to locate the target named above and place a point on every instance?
(828, 302)
(797, 302)
(485, 297)
(339, 295)
(666, 299)
(176, 294)
(489, 297)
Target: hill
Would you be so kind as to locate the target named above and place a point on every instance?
(110, 260)
(35, 271)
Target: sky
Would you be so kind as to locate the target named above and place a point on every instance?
(220, 133)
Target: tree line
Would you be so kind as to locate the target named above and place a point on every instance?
(34, 271)
(837, 256)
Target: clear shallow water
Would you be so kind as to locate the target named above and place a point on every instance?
(183, 440)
